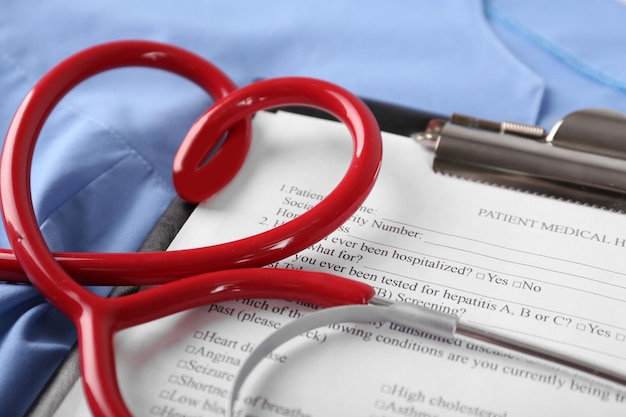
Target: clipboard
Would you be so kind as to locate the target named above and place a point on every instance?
(391, 118)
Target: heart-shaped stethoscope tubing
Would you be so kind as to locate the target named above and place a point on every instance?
(194, 182)
(97, 318)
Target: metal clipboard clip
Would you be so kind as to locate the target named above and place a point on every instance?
(581, 159)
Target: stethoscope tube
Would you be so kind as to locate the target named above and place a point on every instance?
(442, 325)
(157, 268)
(97, 318)
(124, 269)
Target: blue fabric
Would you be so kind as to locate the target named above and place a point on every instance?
(101, 175)
(574, 46)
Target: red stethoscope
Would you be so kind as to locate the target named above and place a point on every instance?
(194, 277)
(97, 318)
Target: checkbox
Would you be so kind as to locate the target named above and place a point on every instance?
(480, 275)
(581, 326)
(620, 336)
(517, 284)
(380, 405)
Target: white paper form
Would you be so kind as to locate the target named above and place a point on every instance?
(543, 269)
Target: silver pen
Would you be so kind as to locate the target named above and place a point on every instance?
(582, 158)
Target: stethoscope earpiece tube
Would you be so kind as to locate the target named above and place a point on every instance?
(438, 324)
(410, 315)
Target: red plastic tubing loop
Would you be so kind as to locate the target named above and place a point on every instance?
(152, 269)
(41, 100)
(340, 203)
(97, 318)
(48, 276)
